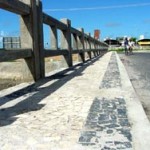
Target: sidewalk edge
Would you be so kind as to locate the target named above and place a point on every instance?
(139, 121)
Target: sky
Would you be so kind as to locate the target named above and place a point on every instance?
(114, 18)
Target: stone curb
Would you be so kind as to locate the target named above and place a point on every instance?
(136, 114)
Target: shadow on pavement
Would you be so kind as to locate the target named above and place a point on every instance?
(37, 93)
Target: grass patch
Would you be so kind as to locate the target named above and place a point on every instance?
(119, 50)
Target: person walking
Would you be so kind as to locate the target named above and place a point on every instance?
(126, 45)
(130, 46)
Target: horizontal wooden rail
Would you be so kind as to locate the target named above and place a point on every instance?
(53, 22)
(15, 6)
(51, 53)
(76, 51)
(9, 55)
(81, 51)
(75, 31)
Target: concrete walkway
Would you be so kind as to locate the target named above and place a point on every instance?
(90, 107)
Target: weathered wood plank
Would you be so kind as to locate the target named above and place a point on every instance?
(53, 22)
(41, 38)
(75, 31)
(50, 53)
(15, 6)
(76, 51)
(87, 50)
(82, 51)
(82, 45)
(9, 55)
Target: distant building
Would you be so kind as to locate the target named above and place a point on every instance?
(121, 40)
(113, 43)
(144, 43)
(97, 34)
(11, 42)
(141, 37)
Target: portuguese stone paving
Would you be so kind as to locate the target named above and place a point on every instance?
(107, 126)
(112, 75)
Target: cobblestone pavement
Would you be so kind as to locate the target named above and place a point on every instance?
(112, 75)
(107, 126)
(79, 110)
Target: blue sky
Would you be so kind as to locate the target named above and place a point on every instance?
(114, 17)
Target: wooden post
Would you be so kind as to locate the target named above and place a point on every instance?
(85, 43)
(66, 41)
(95, 48)
(75, 42)
(98, 48)
(85, 47)
(89, 46)
(92, 53)
(81, 45)
(30, 33)
(41, 39)
(93, 45)
(75, 45)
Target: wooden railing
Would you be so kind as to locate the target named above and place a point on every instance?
(32, 18)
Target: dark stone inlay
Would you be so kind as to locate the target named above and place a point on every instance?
(86, 137)
(112, 76)
(102, 123)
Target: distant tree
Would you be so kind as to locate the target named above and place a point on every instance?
(134, 39)
(120, 38)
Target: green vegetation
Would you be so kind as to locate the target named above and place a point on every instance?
(134, 39)
(118, 50)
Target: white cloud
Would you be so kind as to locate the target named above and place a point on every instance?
(2, 33)
(141, 37)
(100, 7)
(1, 39)
(113, 24)
(1, 42)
